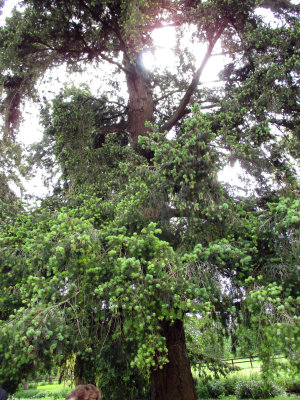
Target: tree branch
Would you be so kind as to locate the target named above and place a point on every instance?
(119, 127)
(277, 5)
(114, 62)
(113, 116)
(165, 96)
(190, 90)
(118, 104)
(99, 139)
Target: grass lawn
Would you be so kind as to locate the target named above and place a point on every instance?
(45, 391)
(246, 365)
(50, 387)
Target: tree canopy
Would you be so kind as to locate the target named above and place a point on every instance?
(140, 232)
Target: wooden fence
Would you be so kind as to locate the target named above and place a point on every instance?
(247, 359)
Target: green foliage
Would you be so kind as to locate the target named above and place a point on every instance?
(12, 169)
(293, 385)
(273, 306)
(98, 268)
(64, 241)
(202, 390)
(140, 232)
(206, 344)
(278, 328)
(72, 125)
(38, 394)
(216, 388)
(252, 389)
(290, 383)
(230, 383)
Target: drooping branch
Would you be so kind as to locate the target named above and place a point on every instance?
(277, 5)
(179, 113)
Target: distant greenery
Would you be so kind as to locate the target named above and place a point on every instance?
(232, 386)
(54, 393)
(257, 389)
(246, 387)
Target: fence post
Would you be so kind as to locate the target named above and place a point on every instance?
(251, 361)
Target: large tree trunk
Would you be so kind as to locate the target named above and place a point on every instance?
(175, 380)
(140, 105)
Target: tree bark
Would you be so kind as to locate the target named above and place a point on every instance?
(140, 105)
(175, 380)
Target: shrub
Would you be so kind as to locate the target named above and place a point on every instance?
(28, 394)
(230, 383)
(292, 385)
(41, 395)
(32, 385)
(212, 389)
(202, 390)
(61, 393)
(257, 389)
(216, 388)
(38, 394)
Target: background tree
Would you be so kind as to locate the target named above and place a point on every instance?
(133, 241)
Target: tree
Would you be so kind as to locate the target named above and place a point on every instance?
(146, 229)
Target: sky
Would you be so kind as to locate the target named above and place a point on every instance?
(31, 131)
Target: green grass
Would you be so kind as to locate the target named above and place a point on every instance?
(293, 397)
(50, 387)
(246, 369)
(247, 365)
(45, 391)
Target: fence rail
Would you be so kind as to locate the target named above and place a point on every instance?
(244, 359)
(247, 359)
